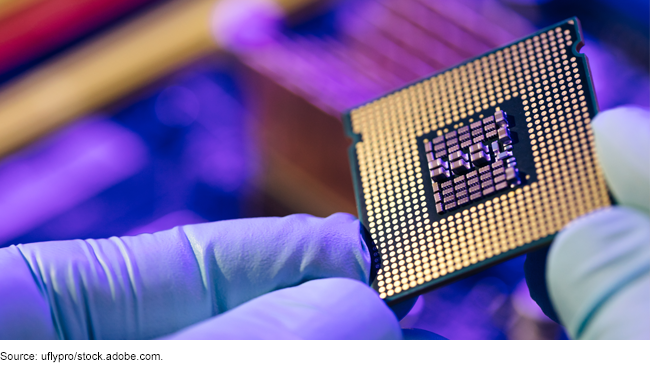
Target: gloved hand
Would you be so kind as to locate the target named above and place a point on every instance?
(598, 268)
(280, 278)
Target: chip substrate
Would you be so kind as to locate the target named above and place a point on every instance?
(476, 164)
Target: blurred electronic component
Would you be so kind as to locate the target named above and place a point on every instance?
(380, 45)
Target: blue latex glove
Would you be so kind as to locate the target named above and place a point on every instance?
(243, 279)
(597, 280)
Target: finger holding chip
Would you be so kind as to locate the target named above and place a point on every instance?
(598, 268)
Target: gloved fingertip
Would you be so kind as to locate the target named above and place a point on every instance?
(624, 117)
(622, 138)
(323, 309)
(592, 263)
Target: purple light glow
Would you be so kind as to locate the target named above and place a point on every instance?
(218, 154)
(525, 306)
(472, 316)
(177, 106)
(63, 170)
(383, 45)
(245, 24)
(616, 81)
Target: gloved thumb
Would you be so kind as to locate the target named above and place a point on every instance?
(335, 308)
(598, 275)
(623, 148)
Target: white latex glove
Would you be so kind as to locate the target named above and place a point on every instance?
(243, 279)
(598, 268)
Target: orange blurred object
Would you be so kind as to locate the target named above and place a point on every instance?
(9, 7)
(34, 27)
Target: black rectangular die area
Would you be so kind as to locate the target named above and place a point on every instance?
(480, 160)
(491, 178)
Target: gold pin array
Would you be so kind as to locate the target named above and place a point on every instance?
(540, 73)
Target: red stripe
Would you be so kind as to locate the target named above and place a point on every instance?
(49, 24)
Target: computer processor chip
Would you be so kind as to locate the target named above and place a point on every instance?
(476, 164)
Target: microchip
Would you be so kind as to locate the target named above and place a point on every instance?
(515, 162)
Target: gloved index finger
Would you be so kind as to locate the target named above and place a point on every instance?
(155, 284)
(623, 147)
(243, 259)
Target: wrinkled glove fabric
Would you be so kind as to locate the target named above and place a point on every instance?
(154, 285)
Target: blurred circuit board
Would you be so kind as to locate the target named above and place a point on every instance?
(476, 164)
